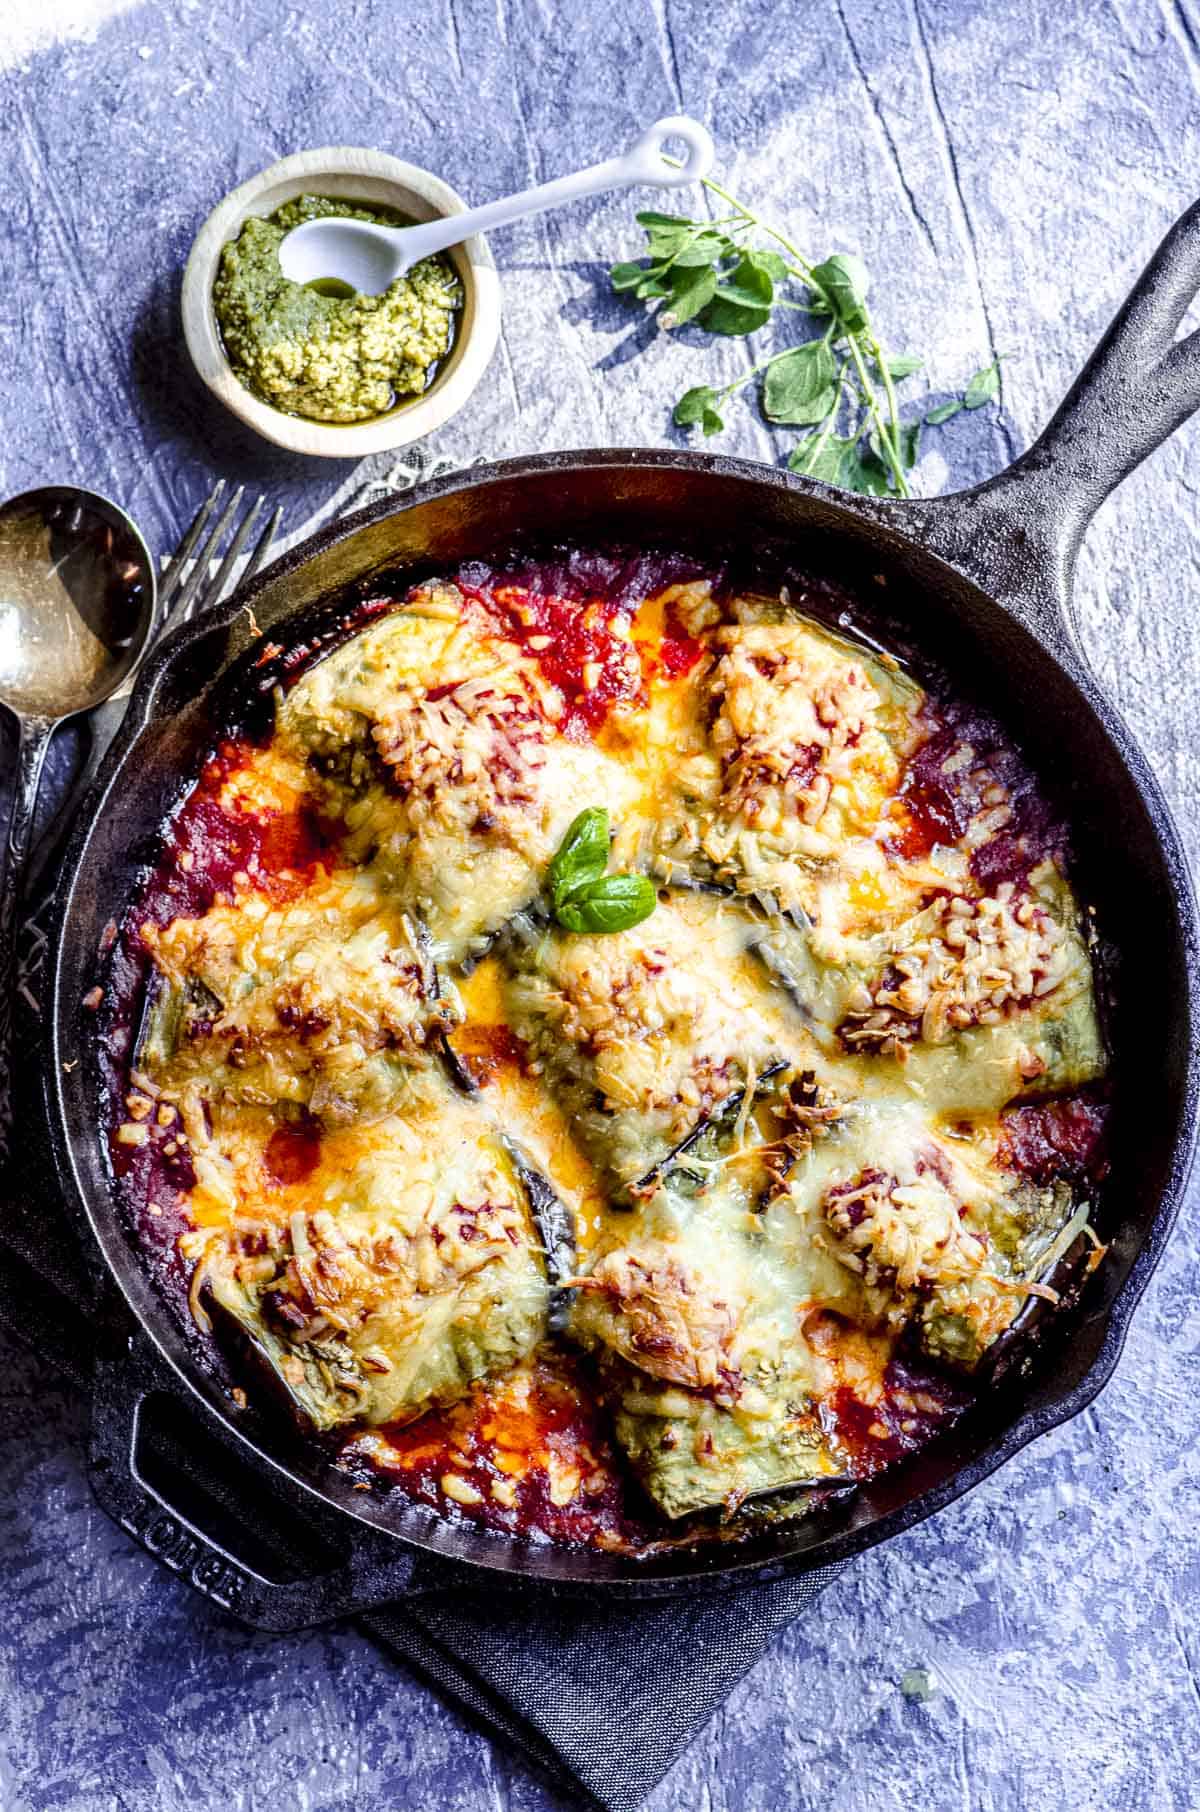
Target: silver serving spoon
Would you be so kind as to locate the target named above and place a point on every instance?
(77, 591)
(369, 258)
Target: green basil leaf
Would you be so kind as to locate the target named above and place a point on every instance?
(902, 366)
(613, 903)
(983, 386)
(651, 287)
(821, 457)
(942, 413)
(801, 385)
(626, 276)
(582, 856)
(695, 407)
(691, 291)
(844, 281)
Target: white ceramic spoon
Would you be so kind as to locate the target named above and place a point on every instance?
(368, 258)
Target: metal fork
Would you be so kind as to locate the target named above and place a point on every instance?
(181, 598)
(187, 588)
(184, 594)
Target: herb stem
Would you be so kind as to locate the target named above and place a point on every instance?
(803, 270)
(889, 447)
(889, 388)
(830, 422)
(753, 372)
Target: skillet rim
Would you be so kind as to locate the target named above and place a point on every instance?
(710, 1567)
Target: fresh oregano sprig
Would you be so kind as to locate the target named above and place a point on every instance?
(583, 896)
(840, 384)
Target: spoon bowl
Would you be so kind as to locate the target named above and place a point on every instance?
(77, 589)
(77, 595)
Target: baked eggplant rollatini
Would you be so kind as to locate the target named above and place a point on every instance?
(616, 1056)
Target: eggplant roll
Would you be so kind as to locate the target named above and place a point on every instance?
(788, 741)
(712, 1304)
(968, 1004)
(396, 1282)
(715, 1396)
(433, 742)
(647, 1033)
(327, 1002)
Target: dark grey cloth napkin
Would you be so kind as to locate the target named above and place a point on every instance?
(599, 1696)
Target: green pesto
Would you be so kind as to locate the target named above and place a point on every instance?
(330, 358)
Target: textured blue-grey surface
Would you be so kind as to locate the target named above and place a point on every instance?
(1005, 169)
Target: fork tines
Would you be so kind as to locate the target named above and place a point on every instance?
(188, 584)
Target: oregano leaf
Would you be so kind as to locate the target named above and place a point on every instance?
(691, 291)
(908, 444)
(698, 408)
(982, 387)
(777, 268)
(844, 281)
(650, 217)
(750, 283)
(709, 248)
(801, 385)
(820, 456)
(865, 473)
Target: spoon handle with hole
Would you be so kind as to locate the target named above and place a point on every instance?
(34, 739)
(644, 163)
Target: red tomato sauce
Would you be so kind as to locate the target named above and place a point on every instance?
(944, 789)
(543, 1466)
(293, 1151)
(914, 1406)
(582, 648)
(1044, 1140)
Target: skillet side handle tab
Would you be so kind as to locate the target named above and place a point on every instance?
(377, 1570)
(1019, 533)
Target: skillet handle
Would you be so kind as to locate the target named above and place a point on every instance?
(1018, 534)
(377, 1570)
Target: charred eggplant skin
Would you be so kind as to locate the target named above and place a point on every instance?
(553, 1219)
(559, 1236)
(717, 1122)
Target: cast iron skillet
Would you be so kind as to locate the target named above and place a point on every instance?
(983, 580)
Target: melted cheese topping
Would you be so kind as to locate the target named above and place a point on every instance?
(771, 1109)
(646, 1032)
(435, 744)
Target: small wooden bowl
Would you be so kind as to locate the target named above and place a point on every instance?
(356, 175)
